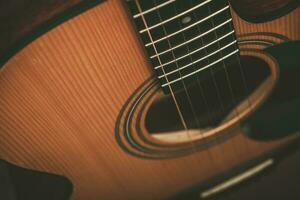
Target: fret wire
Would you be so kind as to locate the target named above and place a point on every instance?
(199, 70)
(153, 9)
(195, 51)
(194, 24)
(174, 17)
(194, 62)
(186, 42)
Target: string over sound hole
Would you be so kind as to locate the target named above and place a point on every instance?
(208, 111)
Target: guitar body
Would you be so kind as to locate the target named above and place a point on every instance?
(62, 96)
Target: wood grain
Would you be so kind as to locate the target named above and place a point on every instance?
(60, 97)
(287, 25)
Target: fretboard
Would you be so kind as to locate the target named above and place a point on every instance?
(185, 39)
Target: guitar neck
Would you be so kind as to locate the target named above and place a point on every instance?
(183, 38)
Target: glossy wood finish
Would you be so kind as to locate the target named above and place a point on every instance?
(287, 25)
(263, 10)
(60, 97)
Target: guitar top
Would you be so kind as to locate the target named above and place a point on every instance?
(140, 99)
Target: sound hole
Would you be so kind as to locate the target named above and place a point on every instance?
(212, 99)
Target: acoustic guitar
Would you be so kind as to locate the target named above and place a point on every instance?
(150, 99)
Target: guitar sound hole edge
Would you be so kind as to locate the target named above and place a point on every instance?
(134, 137)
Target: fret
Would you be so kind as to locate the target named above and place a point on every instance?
(153, 9)
(176, 16)
(195, 38)
(201, 69)
(195, 51)
(195, 62)
(188, 27)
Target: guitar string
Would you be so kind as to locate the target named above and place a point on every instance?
(184, 85)
(200, 86)
(191, 139)
(246, 88)
(187, 132)
(226, 71)
(215, 85)
(160, 63)
(233, 99)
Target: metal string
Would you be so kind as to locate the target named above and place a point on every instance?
(160, 63)
(183, 82)
(201, 88)
(198, 83)
(226, 71)
(211, 73)
(246, 88)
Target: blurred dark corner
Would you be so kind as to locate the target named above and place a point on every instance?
(17, 183)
